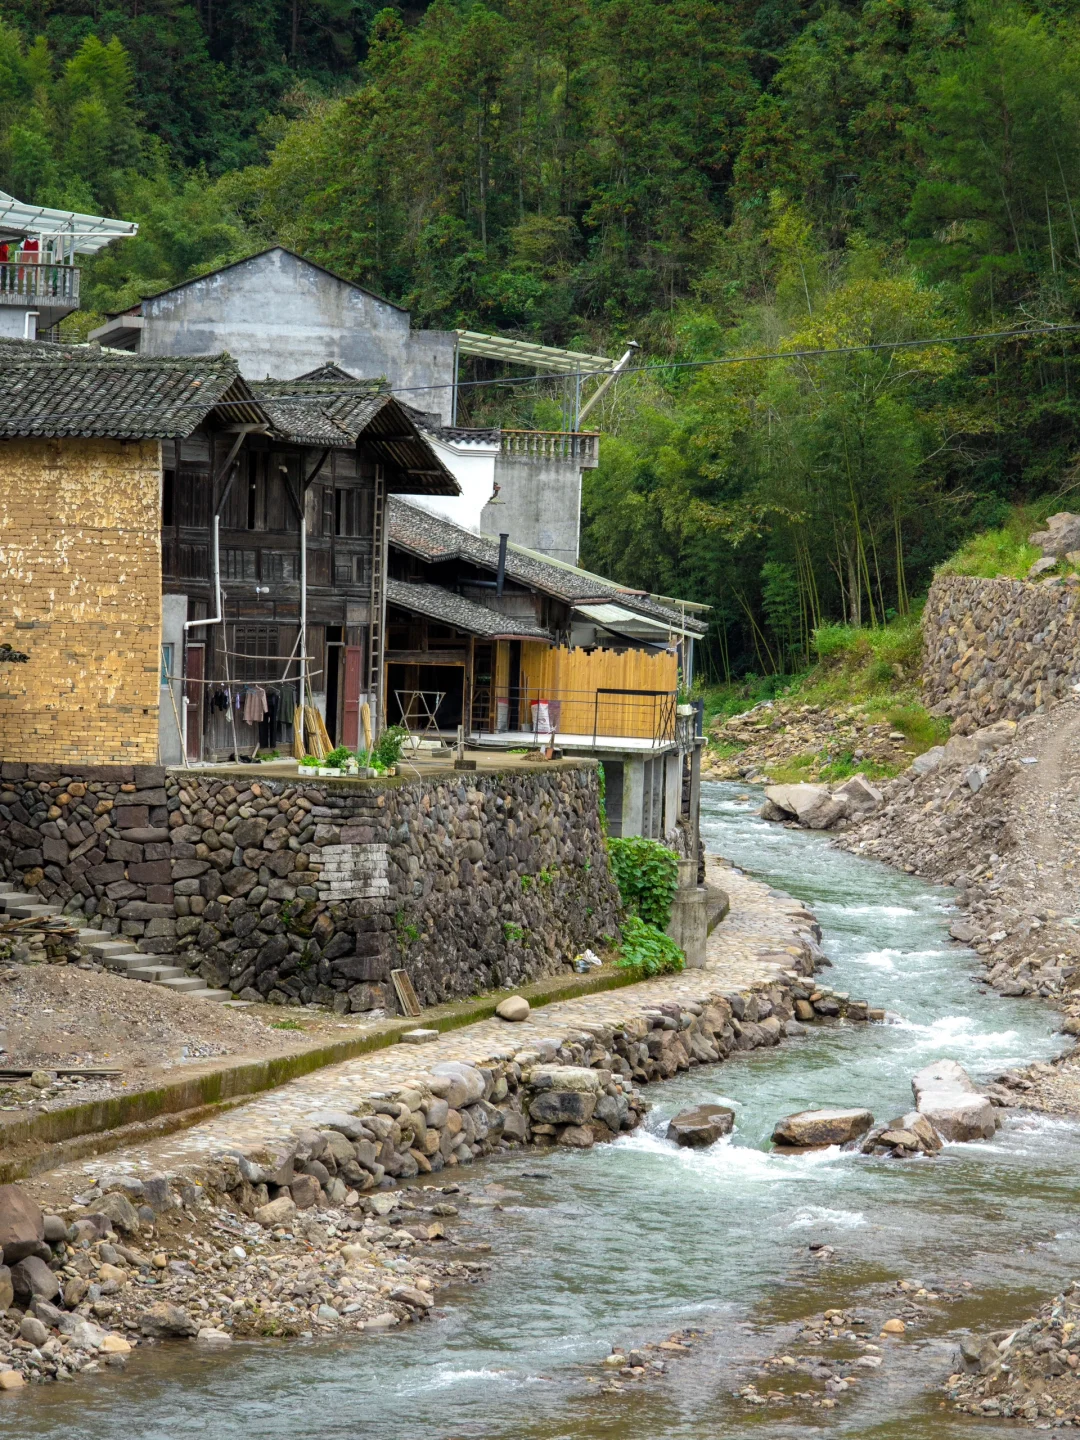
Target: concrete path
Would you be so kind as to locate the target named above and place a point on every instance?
(761, 938)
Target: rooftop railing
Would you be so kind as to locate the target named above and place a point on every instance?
(581, 446)
(25, 282)
(602, 714)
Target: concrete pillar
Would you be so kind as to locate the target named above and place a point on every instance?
(689, 923)
(672, 786)
(633, 796)
(174, 609)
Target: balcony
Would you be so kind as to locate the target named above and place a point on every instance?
(580, 447)
(29, 284)
(607, 717)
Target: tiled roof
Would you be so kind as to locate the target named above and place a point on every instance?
(433, 538)
(324, 408)
(56, 390)
(440, 604)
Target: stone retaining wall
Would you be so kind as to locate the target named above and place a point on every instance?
(302, 892)
(998, 649)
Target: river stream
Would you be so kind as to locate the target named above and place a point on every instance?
(630, 1241)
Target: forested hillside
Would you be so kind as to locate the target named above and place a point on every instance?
(712, 180)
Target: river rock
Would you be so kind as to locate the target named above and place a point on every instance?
(563, 1107)
(466, 1082)
(513, 1008)
(701, 1126)
(822, 1127)
(7, 1290)
(11, 1380)
(577, 1137)
(30, 1277)
(860, 797)
(120, 1212)
(33, 1330)
(945, 1093)
(277, 1212)
(164, 1320)
(812, 805)
(409, 1295)
(22, 1225)
(564, 1077)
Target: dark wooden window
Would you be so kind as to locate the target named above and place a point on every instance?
(252, 647)
(193, 562)
(280, 565)
(239, 565)
(168, 496)
(352, 512)
(192, 500)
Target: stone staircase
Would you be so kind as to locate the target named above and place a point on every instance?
(114, 952)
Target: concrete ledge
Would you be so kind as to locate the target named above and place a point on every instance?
(43, 1141)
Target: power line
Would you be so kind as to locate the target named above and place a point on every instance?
(815, 354)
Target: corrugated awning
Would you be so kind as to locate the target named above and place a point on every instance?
(524, 352)
(620, 620)
(85, 234)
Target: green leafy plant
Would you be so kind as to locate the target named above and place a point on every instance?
(601, 798)
(406, 932)
(526, 883)
(387, 751)
(546, 877)
(512, 932)
(338, 757)
(646, 948)
(647, 874)
(286, 1025)
(310, 762)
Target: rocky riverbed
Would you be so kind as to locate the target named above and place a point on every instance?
(348, 1223)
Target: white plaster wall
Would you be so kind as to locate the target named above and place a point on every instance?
(473, 466)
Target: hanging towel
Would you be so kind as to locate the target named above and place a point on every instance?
(255, 705)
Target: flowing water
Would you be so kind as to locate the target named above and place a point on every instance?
(629, 1241)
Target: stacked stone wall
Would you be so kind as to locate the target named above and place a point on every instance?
(80, 556)
(998, 649)
(311, 892)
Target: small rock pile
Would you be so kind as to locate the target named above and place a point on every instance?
(87, 1286)
(1031, 1373)
(644, 1362)
(775, 733)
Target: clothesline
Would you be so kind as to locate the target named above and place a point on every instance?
(234, 684)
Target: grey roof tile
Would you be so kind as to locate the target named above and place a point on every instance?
(433, 538)
(55, 390)
(440, 604)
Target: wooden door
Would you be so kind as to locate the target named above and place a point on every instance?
(350, 706)
(194, 699)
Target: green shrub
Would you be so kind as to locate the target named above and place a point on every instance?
(646, 948)
(387, 750)
(338, 757)
(647, 874)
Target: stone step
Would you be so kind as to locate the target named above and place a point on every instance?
(128, 961)
(218, 997)
(18, 897)
(32, 912)
(6, 887)
(110, 945)
(185, 984)
(156, 974)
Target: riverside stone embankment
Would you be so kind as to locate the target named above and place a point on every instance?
(310, 892)
(998, 649)
(291, 1215)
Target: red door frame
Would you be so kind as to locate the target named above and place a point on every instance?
(350, 706)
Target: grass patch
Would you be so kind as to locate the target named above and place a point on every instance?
(285, 1025)
(1004, 553)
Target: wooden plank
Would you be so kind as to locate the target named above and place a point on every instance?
(406, 995)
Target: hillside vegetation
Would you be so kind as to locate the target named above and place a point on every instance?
(761, 178)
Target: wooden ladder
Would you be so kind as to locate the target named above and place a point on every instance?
(377, 622)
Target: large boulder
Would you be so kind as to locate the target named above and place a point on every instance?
(22, 1225)
(563, 1107)
(822, 1127)
(32, 1278)
(120, 1212)
(812, 805)
(1061, 535)
(164, 1320)
(860, 797)
(945, 1093)
(514, 1008)
(701, 1126)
